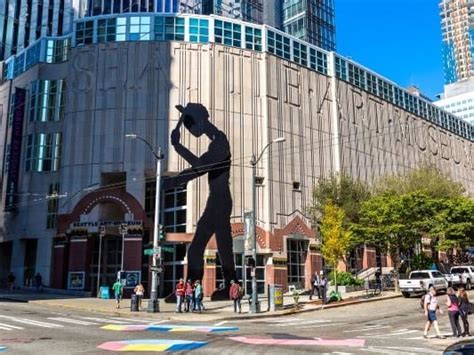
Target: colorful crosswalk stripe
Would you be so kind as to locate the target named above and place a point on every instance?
(153, 345)
(168, 328)
(2, 348)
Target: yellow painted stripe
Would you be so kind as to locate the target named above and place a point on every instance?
(145, 347)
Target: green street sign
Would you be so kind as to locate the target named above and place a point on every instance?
(151, 252)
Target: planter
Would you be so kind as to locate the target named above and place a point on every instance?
(346, 289)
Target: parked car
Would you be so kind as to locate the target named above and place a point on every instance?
(420, 281)
(466, 273)
(454, 280)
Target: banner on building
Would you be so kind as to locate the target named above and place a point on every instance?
(14, 160)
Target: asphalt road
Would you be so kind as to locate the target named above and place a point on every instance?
(386, 327)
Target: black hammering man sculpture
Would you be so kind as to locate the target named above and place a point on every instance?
(215, 219)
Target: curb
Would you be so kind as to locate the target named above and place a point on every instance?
(217, 318)
(12, 299)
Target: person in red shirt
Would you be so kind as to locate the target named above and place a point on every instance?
(180, 290)
(188, 294)
(235, 294)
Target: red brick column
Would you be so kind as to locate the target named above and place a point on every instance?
(369, 258)
(209, 278)
(277, 273)
(78, 253)
(314, 263)
(132, 257)
(60, 265)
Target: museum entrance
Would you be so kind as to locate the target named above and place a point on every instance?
(110, 263)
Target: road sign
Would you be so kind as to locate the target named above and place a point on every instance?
(151, 252)
(158, 269)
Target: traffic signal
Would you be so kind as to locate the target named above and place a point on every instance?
(161, 232)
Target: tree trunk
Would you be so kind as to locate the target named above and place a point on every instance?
(335, 277)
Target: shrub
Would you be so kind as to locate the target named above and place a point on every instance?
(346, 279)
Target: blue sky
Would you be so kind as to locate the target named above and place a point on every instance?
(399, 39)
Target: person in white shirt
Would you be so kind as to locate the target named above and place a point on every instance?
(431, 307)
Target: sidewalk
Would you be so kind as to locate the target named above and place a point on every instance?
(215, 311)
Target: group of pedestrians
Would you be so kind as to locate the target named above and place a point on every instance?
(458, 307)
(319, 284)
(190, 294)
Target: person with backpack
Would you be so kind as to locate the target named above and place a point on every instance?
(431, 306)
(235, 294)
(464, 308)
(179, 292)
(452, 302)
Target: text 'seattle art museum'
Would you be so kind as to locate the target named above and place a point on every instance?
(66, 104)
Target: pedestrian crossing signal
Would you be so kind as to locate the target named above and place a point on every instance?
(250, 261)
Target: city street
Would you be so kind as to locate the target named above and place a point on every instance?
(389, 327)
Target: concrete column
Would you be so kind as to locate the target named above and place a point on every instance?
(18, 261)
(44, 259)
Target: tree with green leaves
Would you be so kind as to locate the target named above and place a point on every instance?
(343, 191)
(336, 239)
(428, 178)
(395, 223)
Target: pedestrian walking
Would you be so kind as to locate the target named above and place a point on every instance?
(464, 307)
(315, 283)
(323, 287)
(378, 281)
(188, 294)
(139, 291)
(11, 282)
(38, 282)
(235, 294)
(431, 307)
(180, 290)
(198, 295)
(452, 302)
(117, 288)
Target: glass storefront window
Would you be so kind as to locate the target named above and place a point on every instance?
(174, 211)
(296, 252)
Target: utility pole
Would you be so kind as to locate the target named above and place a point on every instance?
(153, 304)
(255, 306)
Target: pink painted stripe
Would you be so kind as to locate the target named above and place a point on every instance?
(112, 346)
(296, 342)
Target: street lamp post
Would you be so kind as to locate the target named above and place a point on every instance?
(153, 304)
(254, 307)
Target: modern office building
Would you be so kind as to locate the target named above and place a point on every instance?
(457, 23)
(458, 99)
(457, 26)
(22, 22)
(312, 21)
(68, 170)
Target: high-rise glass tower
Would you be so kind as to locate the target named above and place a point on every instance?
(457, 26)
(311, 21)
(22, 22)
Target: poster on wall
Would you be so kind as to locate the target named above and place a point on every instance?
(130, 279)
(76, 280)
